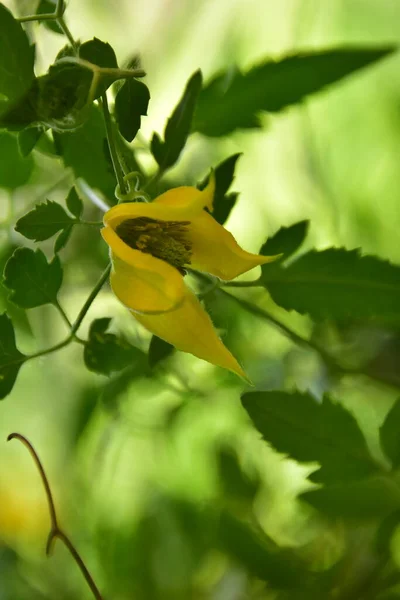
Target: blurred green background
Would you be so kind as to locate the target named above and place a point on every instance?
(140, 470)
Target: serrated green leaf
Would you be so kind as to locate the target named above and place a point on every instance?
(259, 556)
(83, 151)
(28, 138)
(101, 54)
(32, 281)
(43, 221)
(224, 175)
(159, 350)
(16, 58)
(105, 352)
(62, 239)
(11, 359)
(389, 435)
(234, 100)
(308, 431)
(338, 284)
(286, 240)
(47, 7)
(167, 152)
(15, 170)
(131, 103)
(74, 203)
(366, 499)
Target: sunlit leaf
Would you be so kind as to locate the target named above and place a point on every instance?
(234, 100)
(366, 499)
(11, 359)
(32, 281)
(286, 240)
(389, 434)
(43, 221)
(131, 103)
(338, 284)
(178, 126)
(297, 425)
(15, 170)
(105, 352)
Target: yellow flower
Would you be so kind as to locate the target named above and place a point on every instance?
(150, 246)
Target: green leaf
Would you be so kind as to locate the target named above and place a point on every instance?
(297, 425)
(389, 435)
(224, 174)
(178, 126)
(83, 151)
(28, 138)
(338, 284)
(236, 484)
(16, 58)
(47, 7)
(74, 203)
(105, 352)
(62, 239)
(22, 112)
(131, 103)
(259, 555)
(101, 54)
(31, 280)
(234, 100)
(365, 499)
(14, 169)
(43, 221)
(11, 359)
(286, 240)
(159, 350)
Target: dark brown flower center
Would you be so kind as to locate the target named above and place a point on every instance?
(166, 240)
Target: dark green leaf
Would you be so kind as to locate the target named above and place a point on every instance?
(74, 203)
(28, 138)
(43, 221)
(63, 95)
(14, 169)
(31, 280)
(286, 240)
(389, 435)
(178, 126)
(259, 556)
(308, 431)
(131, 102)
(365, 499)
(101, 54)
(120, 382)
(236, 484)
(22, 112)
(18, 315)
(105, 352)
(385, 534)
(159, 350)
(16, 58)
(11, 358)
(338, 284)
(62, 239)
(82, 150)
(224, 174)
(234, 100)
(47, 7)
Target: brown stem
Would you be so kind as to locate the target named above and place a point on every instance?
(55, 530)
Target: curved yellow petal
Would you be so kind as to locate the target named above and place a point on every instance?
(140, 281)
(190, 329)
(179, 204)
(215, 250)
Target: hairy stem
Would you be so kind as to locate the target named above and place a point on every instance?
(119, 174)
(55, 530)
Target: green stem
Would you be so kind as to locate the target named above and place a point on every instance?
(119, 174)
(63, 314)
(242, 284)
(54, 348)
(67, 33)
(90, 300)
(57, 14)
(155, 179)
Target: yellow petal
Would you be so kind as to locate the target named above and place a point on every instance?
(178, 204)
(140, 281)
(216, 251)
(190, 329)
